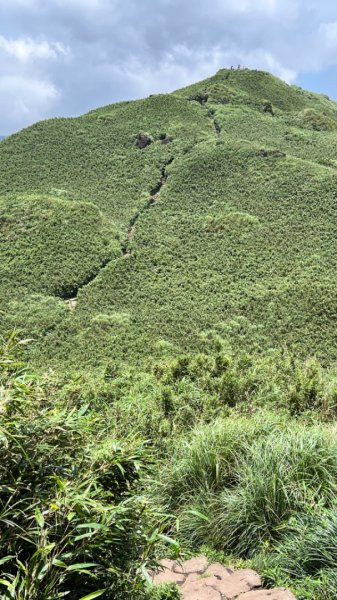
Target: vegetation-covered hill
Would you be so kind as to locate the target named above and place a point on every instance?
(227, 216)
(197, 232)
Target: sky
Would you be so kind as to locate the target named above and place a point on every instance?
(65, 57)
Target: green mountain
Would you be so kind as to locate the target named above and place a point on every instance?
(224, 220)
(168, 305)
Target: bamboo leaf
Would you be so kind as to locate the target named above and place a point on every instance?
(80, 566)
(39, 517)
(5, 559)
(93, 595)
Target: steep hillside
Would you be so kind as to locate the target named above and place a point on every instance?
(210, 208)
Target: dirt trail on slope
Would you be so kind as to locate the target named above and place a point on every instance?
(127, 245)
(154, 197)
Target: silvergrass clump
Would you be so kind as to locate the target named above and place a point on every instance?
(305, 557)
(238, 484)
(207, 459)
(287, 473)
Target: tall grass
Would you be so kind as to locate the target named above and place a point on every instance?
(287, 473)
(305, 557)
(257, 487)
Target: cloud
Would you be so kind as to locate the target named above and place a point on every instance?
(25, 99)
(183, 66)
(85, 53)
(27, 90)
(27, 49)
(328, 41)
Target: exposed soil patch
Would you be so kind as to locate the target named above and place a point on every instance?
(71, 303)
(143, 140)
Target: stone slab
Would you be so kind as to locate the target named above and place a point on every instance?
(275, 594)
(219, 570)
(168, 577)
(239, 582)
(198, 590)
(194, 565)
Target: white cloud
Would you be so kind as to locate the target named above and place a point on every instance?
(252, 6)
(25, 99)
(328, 38)
(27, 90)
(27, 49)
(261, 59)
(183, 66)
(79, 4)
(36, 4)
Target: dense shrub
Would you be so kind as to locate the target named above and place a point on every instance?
(243, 225)
(72, 517)
(319, 121)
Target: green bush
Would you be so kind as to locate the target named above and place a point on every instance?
(277, 477)
(312, 119)
(305, 557)
(306, 391)
(167, 591)
(72, 516)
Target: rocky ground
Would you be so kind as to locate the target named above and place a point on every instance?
(200, 580)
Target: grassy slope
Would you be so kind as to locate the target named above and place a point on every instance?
(52, 245)
(94, 158)
(240, 239)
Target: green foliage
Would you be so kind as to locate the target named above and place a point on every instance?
(205, 464)
(94, 158)
(51, 245)
(250, 87)
(241, 224)
(305, 558)
(307, 389)
(268, 493)
(71, 513)
(190, 393)
(312, 119)
(287, 474)
(208, 262)
(36, 313)
(166, 591)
